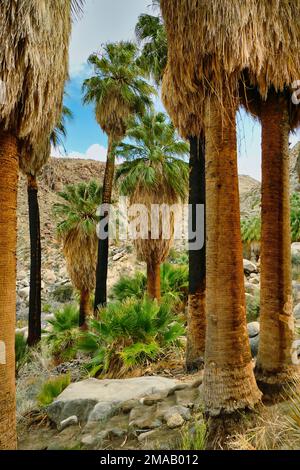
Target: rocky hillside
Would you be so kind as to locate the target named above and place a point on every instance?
(59, 172)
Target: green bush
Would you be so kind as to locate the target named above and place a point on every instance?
(52, 388)
(130, 333)
(63, 337)
(253, 307)
(63, 293)
(178, 257)
(21, 350)
(174, 283)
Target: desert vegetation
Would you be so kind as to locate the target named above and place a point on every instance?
(195, 344)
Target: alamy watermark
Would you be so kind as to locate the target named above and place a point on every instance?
(2, 92)
(126, 221)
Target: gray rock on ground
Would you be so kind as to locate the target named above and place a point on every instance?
(92, 399)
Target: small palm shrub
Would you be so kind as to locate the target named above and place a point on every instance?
(253, 307)
(21, 350)
(178, 257)
(63, 337)
(174, 283)
(129, 334)
(52, 388)
(295, 217)
(194, 438)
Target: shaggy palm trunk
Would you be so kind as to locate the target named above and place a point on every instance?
(274, 363)
(197, 265)
(34, 319)
(103, 243)
(8, 240)
(153, 280)
(84, 310)
(229, 382)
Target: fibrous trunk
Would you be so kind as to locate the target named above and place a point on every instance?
(34, 319)
(274, 363)
(8, 240)
(103, 242)
(229, 382)
(197, 264)
(84, 310)
(153, 280)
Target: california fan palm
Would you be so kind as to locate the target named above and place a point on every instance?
(154, 173)
(34, 66)
(77, 231)
(119, 92)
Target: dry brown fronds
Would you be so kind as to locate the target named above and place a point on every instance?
(210, 44)
(34, 35)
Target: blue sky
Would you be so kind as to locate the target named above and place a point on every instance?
(114, 20)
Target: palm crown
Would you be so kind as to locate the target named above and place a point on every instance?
(117, 88)
(151, 32)
(78, 213)
(154, 158)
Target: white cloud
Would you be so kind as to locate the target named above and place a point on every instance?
(94, 152)
(102, 21)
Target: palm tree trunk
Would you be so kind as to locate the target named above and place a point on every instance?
(84, 311)
(103, 243)
(34, 320)
(274, 363)
(229, 382)
(8, 241)
(153, 280)
(197, 266)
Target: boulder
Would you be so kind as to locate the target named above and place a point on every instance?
(175, 421)
(251, 288)
(254, 342)
(92, 399)
(253, 329)
(49, 276)
(24, 293)
(72, 421)
(249, 267)
(297, 312)
(295, 248)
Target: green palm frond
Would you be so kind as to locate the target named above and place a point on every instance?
(154, 157)
(79, 209)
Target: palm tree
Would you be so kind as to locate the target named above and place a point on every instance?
(274, 368)
(154, 173)
(118, 91)
(77, 232)
(33, 71)
(151, 34)
(32, 170)
(205, 67)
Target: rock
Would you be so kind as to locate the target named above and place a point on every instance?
(49, 276)
(49, 317)
(180, 410)
(21, 275)
(118, 256)
(127, 406)
(253, 329)
(24, 293)
(295, 248)
(99, 398)
(102, 412)
(146, 435)
(249, 267)
(296, 291)
(152, 399)
(72, 421)
(175, 421)
(187, 397)
(254, 342)
(144, 417)
(22, 331)
(117, 432)
(251, 288)
(297, 312)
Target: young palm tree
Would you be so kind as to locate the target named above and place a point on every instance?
(77, 231)
(154, 173)
(119, 92)
(35, 51)
(36, 162)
